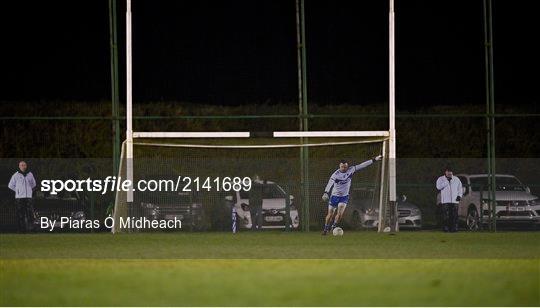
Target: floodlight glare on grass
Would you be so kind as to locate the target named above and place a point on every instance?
(182, 153)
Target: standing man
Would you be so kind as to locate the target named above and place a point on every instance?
(336, 192)
(451, 192)
(255, 204)
(22, 183)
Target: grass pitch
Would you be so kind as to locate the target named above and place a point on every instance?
(271, 269)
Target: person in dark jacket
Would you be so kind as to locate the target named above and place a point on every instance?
(22, 182)
(255, 204)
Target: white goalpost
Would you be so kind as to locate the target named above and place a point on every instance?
(392, 206)
(276, 134)
(386, 139)
(129, 102)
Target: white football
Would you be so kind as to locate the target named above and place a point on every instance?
(387, 229)
(337, 231)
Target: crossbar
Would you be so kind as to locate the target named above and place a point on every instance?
(276, 134)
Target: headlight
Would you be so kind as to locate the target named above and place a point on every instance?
(147, 205)
(154, 213)
(78, 215)
(372, 211)
(534, 202)
(415, 212)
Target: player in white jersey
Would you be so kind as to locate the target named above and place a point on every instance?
(338, 197)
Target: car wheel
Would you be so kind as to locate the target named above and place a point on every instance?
(356, 224)
(472, 220)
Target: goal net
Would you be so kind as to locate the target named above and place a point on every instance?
(221, 183)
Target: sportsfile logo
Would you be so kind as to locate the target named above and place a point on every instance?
(110, 183)
(182, 183)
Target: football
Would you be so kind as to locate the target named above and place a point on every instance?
(337, 231)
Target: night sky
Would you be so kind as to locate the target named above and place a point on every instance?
(235, 52)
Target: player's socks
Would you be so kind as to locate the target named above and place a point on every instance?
(326, 227)
(334, 225)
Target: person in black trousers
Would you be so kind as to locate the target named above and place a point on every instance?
(22, 182)
(255, 204)
(451, 191)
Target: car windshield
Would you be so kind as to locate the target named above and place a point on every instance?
(269, 191)
(61, 195)
(504, 183)
(363, 194)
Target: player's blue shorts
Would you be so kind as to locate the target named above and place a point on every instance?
(335, 200)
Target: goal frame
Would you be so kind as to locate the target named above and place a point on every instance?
(390, 133)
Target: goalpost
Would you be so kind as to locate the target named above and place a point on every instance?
(366, 144)
(201, 169)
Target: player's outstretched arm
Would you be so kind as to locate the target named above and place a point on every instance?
(367, 163)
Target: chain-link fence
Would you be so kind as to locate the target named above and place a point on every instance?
(426, 143)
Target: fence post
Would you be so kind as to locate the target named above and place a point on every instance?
(114, 86)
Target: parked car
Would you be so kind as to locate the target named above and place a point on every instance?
(274, 204)
(362, 212)
(168, 205)
(515, 203)
(64, 204)
(8, 213)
